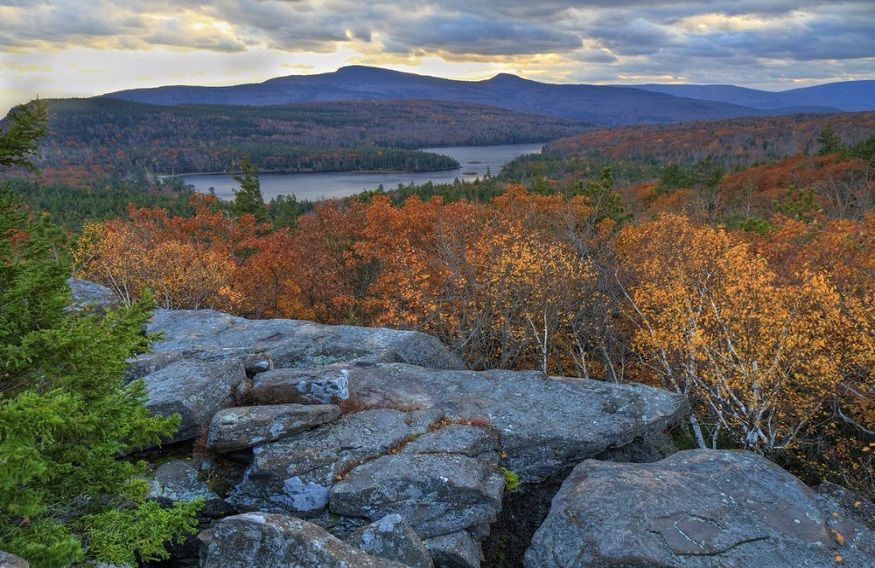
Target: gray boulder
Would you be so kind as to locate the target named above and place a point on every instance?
(89, 296)
(697, 508)
(436, 493)
(11, 561)
(244, 427)
(846, 503)
(283, 386)
(195, 390)
(294, 475)
(277, 541)
(545, 424)
(394, 539)
(207, 334)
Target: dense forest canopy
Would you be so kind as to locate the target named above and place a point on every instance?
(97, 138)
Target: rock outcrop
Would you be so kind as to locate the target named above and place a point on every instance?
(91, 297)
(344, 446)
(696, 508)
(11, 561)
(267, 344)
(194, 389)
(245, 427)
(435, 455)
(437, 493)
(422, 438)
(544, 424)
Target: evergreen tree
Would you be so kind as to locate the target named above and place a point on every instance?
(248, 200)
(65, 414)
(20, 132)
(829, 142)
(601, 196)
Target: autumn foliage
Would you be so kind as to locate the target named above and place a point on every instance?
(713, 320)
(770, 336)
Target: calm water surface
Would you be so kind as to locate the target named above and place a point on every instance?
(313, 187)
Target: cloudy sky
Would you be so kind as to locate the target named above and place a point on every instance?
(60, 48)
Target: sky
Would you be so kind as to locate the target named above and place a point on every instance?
(79, 48)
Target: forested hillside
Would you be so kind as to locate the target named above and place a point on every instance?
(97, 138)
(637, 153)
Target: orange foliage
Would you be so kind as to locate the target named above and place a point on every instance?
(503, 282)
(843, 187)
(771, 337)
(714, 321)
(206, 261)
(844, 252)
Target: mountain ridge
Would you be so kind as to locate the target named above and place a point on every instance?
(847, 96)
(605, 105)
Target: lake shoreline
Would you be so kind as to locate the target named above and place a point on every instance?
(476, 162)
(306, 172)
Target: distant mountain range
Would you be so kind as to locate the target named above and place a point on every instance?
(600, 105)
(850, 96)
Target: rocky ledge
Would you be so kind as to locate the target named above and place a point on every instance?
(342, 446)
(315, 433)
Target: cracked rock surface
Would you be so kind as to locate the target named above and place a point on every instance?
(697, 508)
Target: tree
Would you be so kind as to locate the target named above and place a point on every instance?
(829, 142)
(248, 200)
(600, 195)
(65, 414)
(713, 321)
(20, 133)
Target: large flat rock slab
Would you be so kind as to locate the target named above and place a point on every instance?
(282, 343)
(698, 508)
(544, 424)
(248, 426)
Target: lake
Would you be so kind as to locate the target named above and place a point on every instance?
(313, 187)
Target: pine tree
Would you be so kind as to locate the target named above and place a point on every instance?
(248, 200)
(829, 142)
(65, 414)
(20, 132)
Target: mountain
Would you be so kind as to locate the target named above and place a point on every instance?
(851, 96)
(601, 105)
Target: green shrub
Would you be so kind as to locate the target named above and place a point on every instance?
(66, 416)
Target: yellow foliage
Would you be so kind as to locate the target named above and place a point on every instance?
(753, 352)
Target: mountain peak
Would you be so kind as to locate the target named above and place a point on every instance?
(367, 72)
(508, 78)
